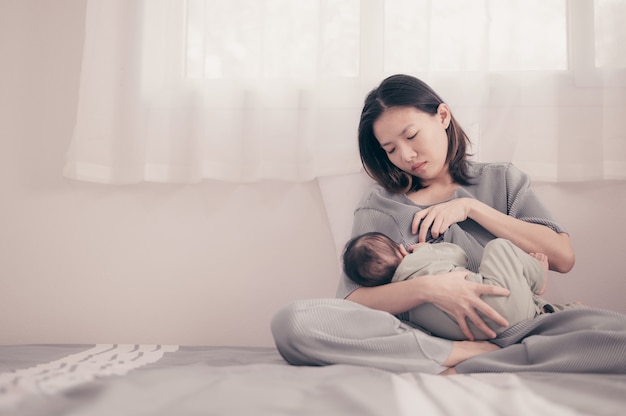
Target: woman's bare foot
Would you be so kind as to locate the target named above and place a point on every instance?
(543, 259)
(449, 372)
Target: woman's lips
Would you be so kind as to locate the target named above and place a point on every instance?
(418, 166)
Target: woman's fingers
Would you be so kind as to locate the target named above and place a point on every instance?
(417, 219)
(423, 231)
(469, 310)
(438, 227)
(478, 321)
(482, 326)
(429, 220)
(462, 299)
(423, 221)
(487, 310)
(438, 218)
(464, 327)
(492, 290)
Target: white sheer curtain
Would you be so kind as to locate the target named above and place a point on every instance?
(250, 90)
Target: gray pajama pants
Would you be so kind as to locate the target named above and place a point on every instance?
(336, 331)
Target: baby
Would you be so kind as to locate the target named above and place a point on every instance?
(373, 259)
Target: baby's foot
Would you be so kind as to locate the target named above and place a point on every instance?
(543, 259)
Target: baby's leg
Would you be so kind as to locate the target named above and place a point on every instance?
(506, 265)
(503, 261)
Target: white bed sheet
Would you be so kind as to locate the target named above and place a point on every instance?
(94, 380)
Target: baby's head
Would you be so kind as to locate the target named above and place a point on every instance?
(371, 259)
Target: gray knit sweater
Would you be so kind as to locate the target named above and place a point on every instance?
(499, 185)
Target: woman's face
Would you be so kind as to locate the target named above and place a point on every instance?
(415, 141)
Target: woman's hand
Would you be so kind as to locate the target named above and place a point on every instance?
(449, 292)
(460, 298)
(438, 218)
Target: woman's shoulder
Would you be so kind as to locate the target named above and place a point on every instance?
(484, 173)
(375, 194)
(381, 206)
(490, 168)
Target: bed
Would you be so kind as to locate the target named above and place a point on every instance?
(178, 380)
(111, 379)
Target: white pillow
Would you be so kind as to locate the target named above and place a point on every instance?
(341, 194)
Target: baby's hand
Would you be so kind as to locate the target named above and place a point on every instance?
(412, 247)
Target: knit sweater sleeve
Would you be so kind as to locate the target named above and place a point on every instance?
(523, 203)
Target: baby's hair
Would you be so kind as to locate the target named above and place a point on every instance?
(371, 259)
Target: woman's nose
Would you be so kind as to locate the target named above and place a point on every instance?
(408, 153)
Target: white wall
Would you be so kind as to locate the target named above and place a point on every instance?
(184, 264)
(197, 264)
(593, 213)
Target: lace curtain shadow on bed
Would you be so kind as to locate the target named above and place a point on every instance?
(251, 90)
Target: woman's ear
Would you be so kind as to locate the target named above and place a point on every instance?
(443, 113)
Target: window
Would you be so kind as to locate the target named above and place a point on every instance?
(248, 90)
(272, 39)
(456, 35)
(597, 38)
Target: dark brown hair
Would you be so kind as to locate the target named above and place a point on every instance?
(371, 259)
(406, 91)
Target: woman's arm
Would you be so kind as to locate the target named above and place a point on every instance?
(450, 292)
(505, 205)
(530, 237)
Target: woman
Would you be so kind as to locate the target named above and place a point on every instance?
(412, 146)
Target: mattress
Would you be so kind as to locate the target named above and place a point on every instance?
(114, 379)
